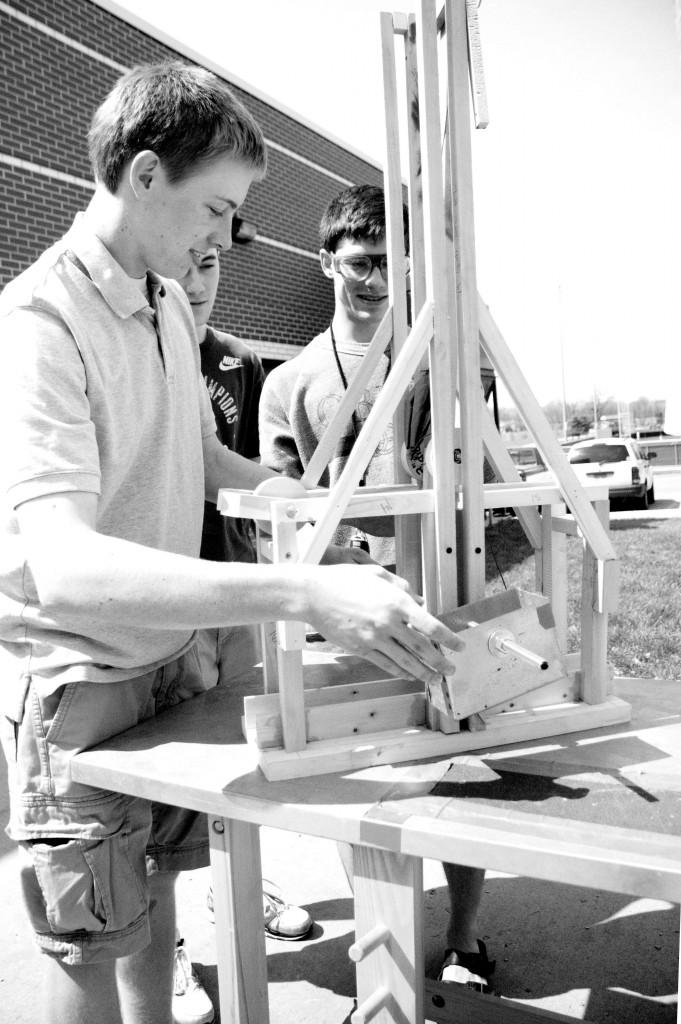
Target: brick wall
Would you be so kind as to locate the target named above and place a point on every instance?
(49, 89)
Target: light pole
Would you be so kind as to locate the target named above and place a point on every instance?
(561, 342)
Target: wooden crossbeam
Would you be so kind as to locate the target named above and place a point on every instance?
(369, 436)
(349, 402)
(459, 201)
(477, 71)
(505, 364)
(507, 471)
(440, 286)
(407, 532)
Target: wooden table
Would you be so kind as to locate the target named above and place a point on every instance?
(600, 809)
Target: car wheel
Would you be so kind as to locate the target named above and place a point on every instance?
(651, 495)
(642, 502)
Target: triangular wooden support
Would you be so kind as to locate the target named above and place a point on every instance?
(502, 685)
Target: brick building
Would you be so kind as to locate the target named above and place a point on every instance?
(59, 61)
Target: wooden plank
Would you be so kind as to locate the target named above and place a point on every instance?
(443, 367)
(504, 362)
(608, 586)
(372, 430)
(562, 691)
(329, 440)
(554, 849)
(543, 557)
(594, 625)
(268, 646)
(328, 721)
(292, 708)
(268, 630)
(405, 500)
(290, 634)
(553, 568)
(410, 744)
(454, 1004)
(263, 704)
(388, 890)
(417, 279)
(565, 524)
(239, 934)
(249, 505)
(531, 493)
(431, 591)
(290, 642)
(407, 531)
(506, 470)
(366, 501)
(393, 189)
(416, 229)
(459, 200)
(477, 70)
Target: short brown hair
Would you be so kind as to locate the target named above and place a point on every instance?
(358, 212)
(184, 113)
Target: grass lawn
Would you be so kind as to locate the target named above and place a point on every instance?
(645, 633)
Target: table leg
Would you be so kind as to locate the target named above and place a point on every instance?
(388, 946)
(239, 931)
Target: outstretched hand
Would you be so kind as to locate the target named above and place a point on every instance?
(370, 612)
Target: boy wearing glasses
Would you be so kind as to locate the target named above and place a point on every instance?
(298, 401)
(300, 397)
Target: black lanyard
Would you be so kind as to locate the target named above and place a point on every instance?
(344, 381)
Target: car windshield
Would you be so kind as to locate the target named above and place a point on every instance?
(600, 453)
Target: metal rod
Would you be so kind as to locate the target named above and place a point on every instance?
(511, 647)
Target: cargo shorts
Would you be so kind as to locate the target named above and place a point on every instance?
(86, 852)
(228, 653)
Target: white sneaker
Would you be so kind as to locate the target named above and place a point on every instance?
(282, 920)
(191, 1002)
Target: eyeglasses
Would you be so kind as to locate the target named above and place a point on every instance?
(361, 266)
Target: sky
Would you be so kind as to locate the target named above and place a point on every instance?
(577, 178)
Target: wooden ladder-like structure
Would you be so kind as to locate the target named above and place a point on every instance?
(441, 520)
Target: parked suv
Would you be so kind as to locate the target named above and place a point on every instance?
(617, 462)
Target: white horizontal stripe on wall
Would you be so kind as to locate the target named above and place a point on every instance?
(48, 172)
(39, 26)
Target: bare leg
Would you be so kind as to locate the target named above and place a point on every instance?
(145, 979)
(80, 994)
(465, 893)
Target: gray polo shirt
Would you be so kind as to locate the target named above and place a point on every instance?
(101, 392)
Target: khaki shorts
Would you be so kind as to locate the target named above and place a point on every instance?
(227, 653)
(87, 851)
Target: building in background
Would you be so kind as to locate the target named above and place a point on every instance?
(59, 61)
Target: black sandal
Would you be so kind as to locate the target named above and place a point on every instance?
(470, 969)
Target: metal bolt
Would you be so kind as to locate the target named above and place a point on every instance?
(218, 826)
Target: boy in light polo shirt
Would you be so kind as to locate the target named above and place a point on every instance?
(112, 450)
